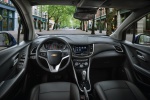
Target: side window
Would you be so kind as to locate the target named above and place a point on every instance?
(139, 32)
(9, 24)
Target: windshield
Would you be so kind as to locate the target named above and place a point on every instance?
(55, 19)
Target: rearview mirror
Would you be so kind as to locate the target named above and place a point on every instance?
(86, 10)
(7, 40)
(142, 39)
(84, 16)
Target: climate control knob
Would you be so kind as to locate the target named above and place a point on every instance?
(81, 66)
(76, 64)
(86, 63)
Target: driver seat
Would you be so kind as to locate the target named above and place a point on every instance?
(55, 91)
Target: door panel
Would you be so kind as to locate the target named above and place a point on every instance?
(13, 63)
(139, 57)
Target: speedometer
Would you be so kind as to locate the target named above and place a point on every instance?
(62, 46)
(54, 46)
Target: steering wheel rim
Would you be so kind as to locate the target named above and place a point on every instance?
(57, 67)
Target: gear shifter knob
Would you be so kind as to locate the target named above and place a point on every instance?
(83, 75)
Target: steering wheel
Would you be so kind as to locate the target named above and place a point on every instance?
(54, 58)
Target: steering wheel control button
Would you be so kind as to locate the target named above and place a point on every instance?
(43, 54)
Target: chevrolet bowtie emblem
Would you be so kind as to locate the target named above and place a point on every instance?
(54, 55)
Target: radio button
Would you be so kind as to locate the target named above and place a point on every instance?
(86, 63)
(81, 66)
(76, 64)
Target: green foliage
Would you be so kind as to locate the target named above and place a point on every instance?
(109, 19)
(62, 15)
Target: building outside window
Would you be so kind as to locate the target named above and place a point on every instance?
(6, 1)
(4, 22)
(8, 16)
(148, 22)
(10, 20)
(35, 11)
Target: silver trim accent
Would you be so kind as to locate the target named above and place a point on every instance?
(88, 70)
(16, 59)
(2, 83)
(120, 48)
(15, 62)
(83, 55)
(32, 50)
(51, 68)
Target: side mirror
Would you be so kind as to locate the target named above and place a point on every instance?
(142, 39)
(7, 40)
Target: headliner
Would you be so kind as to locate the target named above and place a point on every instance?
(120, 4)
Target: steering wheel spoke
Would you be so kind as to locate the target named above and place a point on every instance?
(43, 55)
(56, 69)
(64, 53)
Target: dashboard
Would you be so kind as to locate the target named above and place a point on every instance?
(93, 47)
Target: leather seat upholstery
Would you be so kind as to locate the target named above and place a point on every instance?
(55, 91)
(117, 90)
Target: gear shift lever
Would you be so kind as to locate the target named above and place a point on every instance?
(83, 75)
(85, 93)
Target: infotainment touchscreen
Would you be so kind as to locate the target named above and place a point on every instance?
(81, 49)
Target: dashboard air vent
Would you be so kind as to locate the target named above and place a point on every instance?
(118, 49)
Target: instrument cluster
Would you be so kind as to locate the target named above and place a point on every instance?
(54, 45)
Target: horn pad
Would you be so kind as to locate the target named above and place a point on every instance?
(54, 57)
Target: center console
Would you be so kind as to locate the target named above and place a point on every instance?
(81, 65)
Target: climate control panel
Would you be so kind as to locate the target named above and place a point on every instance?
(80, 63)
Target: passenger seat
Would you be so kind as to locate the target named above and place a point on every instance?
(117, 90)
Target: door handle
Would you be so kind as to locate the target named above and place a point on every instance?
(141, 57)
(15, 61)
(16, 58)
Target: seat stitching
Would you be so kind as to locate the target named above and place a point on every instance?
(70, 91)
(103, 92)
(131, 91)
(115, 88)
(39, 93)
(53, 91)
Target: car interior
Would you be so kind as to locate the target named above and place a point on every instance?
(76, 66)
